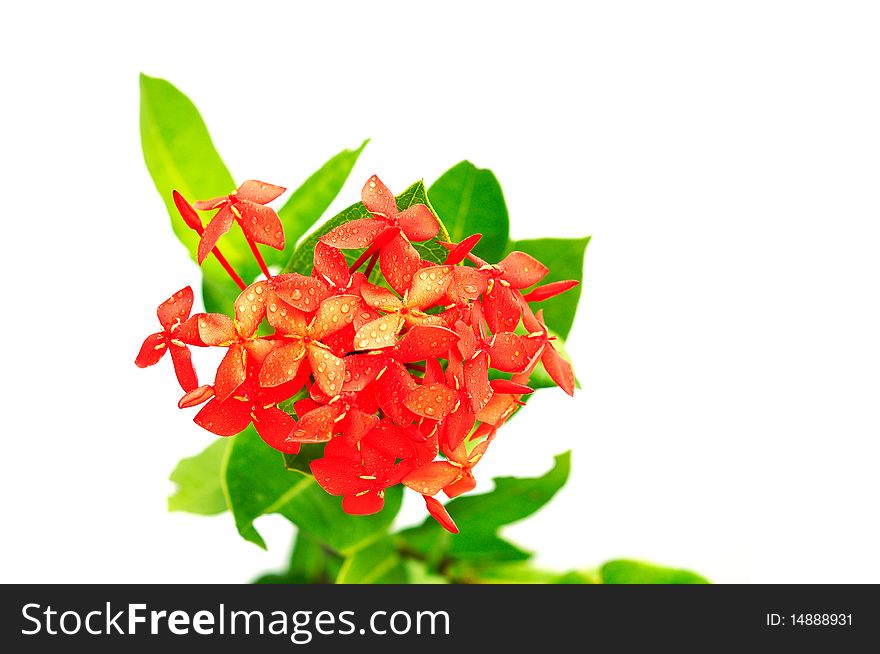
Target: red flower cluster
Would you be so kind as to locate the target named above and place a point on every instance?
(394, 376)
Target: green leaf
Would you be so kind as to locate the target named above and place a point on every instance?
(508, 573)
(303, 258)
(376, 563)
(198, 477)
(180, 156)
(470, 201)
(309, 202)
(479, 517)
(310, 563)
(624, 571)
(565, 258)
(257, 483)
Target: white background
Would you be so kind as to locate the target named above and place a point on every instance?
(725, 157)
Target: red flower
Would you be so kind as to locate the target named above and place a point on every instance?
(428, 288)
(259, 223)
(506, 350)
(388, 232)
(301, 338)
(541, 344)
(440, 514)
(254, 404)
(361, 475)
(178, 331)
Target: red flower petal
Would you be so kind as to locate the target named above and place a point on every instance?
(152, 350)
(189, 215)
(196, 397)
(380, 298)
(399, 261)
(282, 364)
(286, 319)
(339, 476)
(502, 309)
(328, 369)
(508, 352)
(430, 479)
(432, 401)
(378, 199)
(508, 387)
(424, 342)
(250, 308)
(390, 440)
(367, 504)
(476, 380)
(173, 311)
(216, 329)
(433, 372)
(361, 369)
(429, 286)
(379, 333)
(550, 290)
(522, 270)
(559, 369)
(459, 251)
(275, 428)
(231, 372)
(334, 314)
(418, 223)
(330, 263)
(317, 426)
(213, 203)
(498, 409)
(305, 293)
(224, 418)
(259, 192)
(466, 484)
(217, 227)
(183, 367)
(458, 425)
(394, 385)
(467, 283)
(440, 514)
(358, 233)
(260, 223)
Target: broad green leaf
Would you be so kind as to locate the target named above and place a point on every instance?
(575, 577)
(470, 201)
(180, 156)
(309, 202)
(507, 573)
(310, 563)
(479, 517)
(565, 258)
(418, 572)
(303, 258)
(624, 571)
(376, 563)
(257, 483)
(198, 478)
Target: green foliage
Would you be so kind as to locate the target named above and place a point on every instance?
(479, 517)
(180, 156)
(470, 201)
(565, 258)
(311, 562)
(635, 572)
(309, 202)
(376, 563)
(198, 478)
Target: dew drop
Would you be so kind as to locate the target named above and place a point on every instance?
(296, 294)
(364, 342)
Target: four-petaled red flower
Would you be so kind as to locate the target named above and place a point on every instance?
(246, 205)
(389, 232)
(178, 331)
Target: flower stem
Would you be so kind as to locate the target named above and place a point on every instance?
(372, 264)
(228, 268)
(360, 260)
(260, 261)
